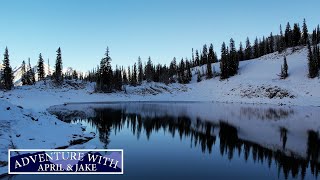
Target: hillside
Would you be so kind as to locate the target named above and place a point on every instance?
(256, 82)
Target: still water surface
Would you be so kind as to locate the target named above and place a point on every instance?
(200, 140)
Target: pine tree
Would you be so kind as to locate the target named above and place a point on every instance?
(281, 43)
(30, 74)
(240, 53)
(296, 34)
(248, 50)
(40, 68)
(288, 36)
(197, 59)
(312, 64)
(271, 43)
(75, 75)
(58, 68)
(7, 77)
(233, 59)
(204, 57)
(224, 62)
(210, 60)
(134, 75)
(105, 83)
(284, 69)
(140, 69)
(149, 69)
(173, 68)
(305, 35)
(189, 74)
(24, 77)
(318, 34)
(256, 48)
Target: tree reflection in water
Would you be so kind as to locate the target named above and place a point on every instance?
(203, 133)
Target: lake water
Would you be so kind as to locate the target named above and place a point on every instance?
(200, 140)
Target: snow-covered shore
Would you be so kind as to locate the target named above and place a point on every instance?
(257, 82)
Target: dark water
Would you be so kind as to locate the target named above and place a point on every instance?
(172, 141)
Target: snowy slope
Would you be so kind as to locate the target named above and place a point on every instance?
(257, 82)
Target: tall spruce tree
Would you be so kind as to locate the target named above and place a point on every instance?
(106, 73)
(271, 43)
(288, 36)
(204, 57)
(284, 69)
(40, 69)
(296, 34)
(140, 69)
(240, 53)
(248, 50)
(312, 64)
(7, 76)
(197, 58)
(233, 59)
(305, 35)
(31, 75)
(134, 75)
(281, 43)
(149, 70)
(210, 60)
(224, 62)
(256, 52)
(58, 77)
(24, 77)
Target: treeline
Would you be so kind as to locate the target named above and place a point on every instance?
(201, 62)
(181, 71)
(27, 72)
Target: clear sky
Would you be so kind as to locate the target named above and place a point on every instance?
(161, 29)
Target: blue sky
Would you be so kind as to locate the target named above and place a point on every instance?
(161, 29)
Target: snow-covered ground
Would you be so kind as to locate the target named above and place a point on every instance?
(30, 125)
(257, 82)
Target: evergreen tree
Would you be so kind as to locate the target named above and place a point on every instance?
(256, 48)
(149, 70)
(314, 37)
(233, 59)
(134, 75)
(288, 36)
(271, 43)
(40, 68)
(173, 67)
(24, 77)
(224, 62)
(296, 34)
(240, 53)
(7, 77)
(281, 43)
(140, 69)
(209, 61)
(318, 34)
(204, 57)
(189, 74)
(106, 74)
(312, 64)
(248, 50)
(31, 75)
(58, 68)
(305, 34)
(284, 69)
(197, 59)
(75, 75)
(125, 77)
